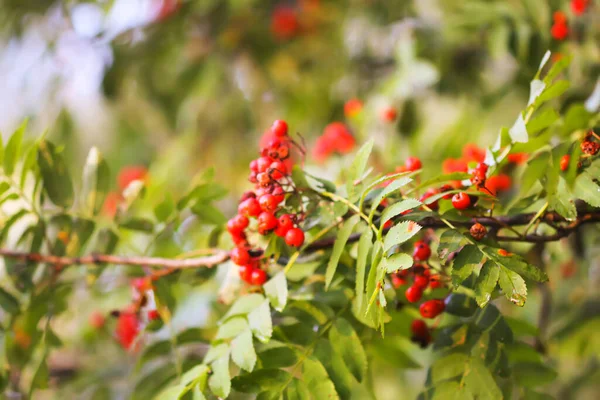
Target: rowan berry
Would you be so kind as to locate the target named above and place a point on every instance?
(478, 231)
(446, 188)
(421, 281)
(419, 328)
(564, 162)
(277, 170)
(268, 202)
(430, 192)
(258, 277)
(239, 256)
(249, 208)
(128, 327)
(389, 114)
(460, 201)
(421, 251)
(153, 315)
(435, 282)
(294, 237)
(478, 178)
(279, 128)
(245, 272)
(412, 164)
(285, 223)
(266, 222)
(590, 148)
(432, 308)
(263, 163)
(398, 280)
(413, 293)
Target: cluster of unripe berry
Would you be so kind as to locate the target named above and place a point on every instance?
(422, 278)
(270, 173)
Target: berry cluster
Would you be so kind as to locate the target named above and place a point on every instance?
(422, 278)
(588, 145)
(336, 138)
(560, 28)
(270, 174)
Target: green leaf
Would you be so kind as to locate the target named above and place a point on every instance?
(542, 121)
(357, 169)
(536, 170)
(400, 233)
(231, 328)
(587, 190)
(489, 319)
(449, 367)
(533, 374)
(480, 382)
(12, 151)
(56, 179)
(137, 224)
(465, 263)
(387, 191)
(460, 305)
(261, 380)
(364, 248)
(513, 286)
(209, 214)
(215, 352)
(8, 302)
(10, 222)
(242, 351)
(450, 242)
(165, 208)
(398, 261)
(552, 92)
(277, 291)
(336, 368)
(391, 354)
(278, 357)
(260, 322)
(486, 283)
(316, 379)
(518, 132)
(96, 182)
(220, 381)
(397, 209)
(451, 391)
(338, 248)
(562, 201)
(245, 304)
(297, 390)
(196, 373)
(518, 264)
(346, 343)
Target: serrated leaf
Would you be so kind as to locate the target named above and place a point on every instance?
(316, 379)
(338, 248)
(542, 121)
(297, 390)
(464, 263)
(533, 374)
(215, 352)
(388, 191)
(397, 209)
(513, 286)
(260, 322)
(398, 261)
(261, 380)
(12, 152)
(336, 368)
(400, 233)
(8, 302)
(449, 367)
(231, 328)
(277, 291)
(56, 179)
(450, 242)
(553, 91)
(489, 319)
(346, 343)
(242, 351)
(451, 391)
(195, 373)
(587, 190)
(220, 380)
(480, 382)
(245, 304)
(364, 247)
(518, 132)
(460, 305)
(357, 169)
(561, 201)
(278, 357)
(536, 170)
(96, 182)
(486, 283)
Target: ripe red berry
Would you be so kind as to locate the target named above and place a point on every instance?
(249, 208)
(398, 281)
(435, 282)
(127, 328)
(478, 178)
(286, 223)
(258, 277)
(263, 163)
(279, 128)
(389, 114)
(446, 188)
(421, 281)
(432, 308)
(430, 192)
(153, 315)
(277, 170)
(560, 29)
(268, 202)
(239, 239)
(266, 222)
(412, 164)
(482, 167)
(419, 328)
(294, 237)
(279, 194)
(240, 256)
(421, 251)
(564, 162)
(578, 6)
(254, 166)
(245, 272)
(413, 293)
(460, 201)
(264, 179)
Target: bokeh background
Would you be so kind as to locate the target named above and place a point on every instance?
(181, 85)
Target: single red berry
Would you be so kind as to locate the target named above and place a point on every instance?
(283, 152)
(478, 231)
(264, 179)
(153, 315)
(285, 223)
(247, 195)
(239, 239)
(478, 178)
(279, 128)
(432, 308)
(446, 188)
(504, 253)
(240, 256)
(460, 201)
(398, 280)
(579, 6)
(266, 222)
(430, 192)
(279, 194)
(435, 281)
(559, 30)
(412, 164)
(128, 327)
(483, 167)
(421, 281)
(294, 237)
(263, 163)
(268, 202)
(413, 293)
(564, 162)
(421, 251)
(142, 284)
(419, 328)
(352, 107)
(249, 208)
(389, 114)
(258, 277)
(277, 170)
(245, 272)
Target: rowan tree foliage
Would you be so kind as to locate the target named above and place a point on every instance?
(473, 273)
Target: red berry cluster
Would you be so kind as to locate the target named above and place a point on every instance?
(422, 278)
(270, 174)
(560, 28)
(336, 138)
(420, 333)
(588, 145)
